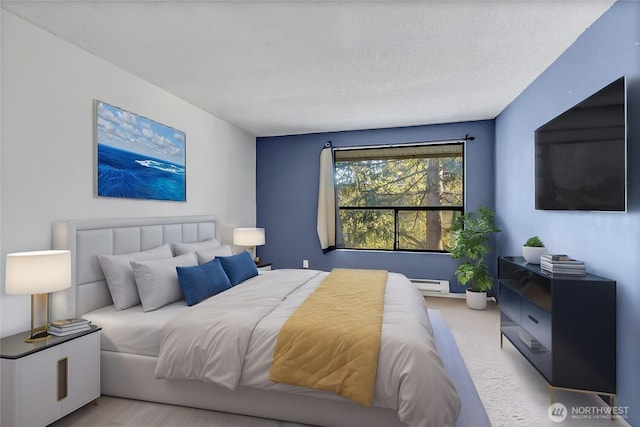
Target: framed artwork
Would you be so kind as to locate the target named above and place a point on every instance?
(138, 158)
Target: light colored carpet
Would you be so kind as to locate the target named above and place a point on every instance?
(513, 392)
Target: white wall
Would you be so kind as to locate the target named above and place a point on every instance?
(47, 152)
(1, 102)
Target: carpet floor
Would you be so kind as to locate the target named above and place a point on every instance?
(512, 391)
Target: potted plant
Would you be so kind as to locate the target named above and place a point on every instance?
(532, 249)
(470, 244)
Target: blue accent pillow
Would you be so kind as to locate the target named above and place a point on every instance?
(202, 281)
(239, 267)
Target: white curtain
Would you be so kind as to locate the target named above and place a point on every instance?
(326, 224)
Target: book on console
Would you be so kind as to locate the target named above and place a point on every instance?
(562, 266)
(529, 341)
(565, 271)
(560, 260)
(555, 257)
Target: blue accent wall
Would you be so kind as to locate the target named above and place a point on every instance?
(287, 196)
(609, 243)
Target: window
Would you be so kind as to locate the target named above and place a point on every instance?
(399, 198)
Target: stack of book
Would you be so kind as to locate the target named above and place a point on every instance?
(562, 264)
(529, 341)
(65, 327)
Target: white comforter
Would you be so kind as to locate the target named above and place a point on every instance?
(229, 340)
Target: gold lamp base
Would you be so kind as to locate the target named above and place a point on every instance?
(38, 336)
(39, 333)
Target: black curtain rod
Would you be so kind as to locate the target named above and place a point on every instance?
(466, 138)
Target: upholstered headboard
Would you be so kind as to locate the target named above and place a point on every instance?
(88, 238)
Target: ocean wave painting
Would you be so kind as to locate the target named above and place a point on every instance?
(137, 157)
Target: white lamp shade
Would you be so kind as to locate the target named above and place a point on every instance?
(37, 272)
(248, 236)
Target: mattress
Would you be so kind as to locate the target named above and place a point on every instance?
(132, 330)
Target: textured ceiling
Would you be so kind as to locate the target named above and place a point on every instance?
(288, 67)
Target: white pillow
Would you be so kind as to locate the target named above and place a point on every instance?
(206, 256)
(119, 274)
(183, 248)
(157, 280)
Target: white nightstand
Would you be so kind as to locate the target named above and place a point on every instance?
(264, 266)
(44, 381)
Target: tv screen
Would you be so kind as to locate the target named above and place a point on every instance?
(581, 155)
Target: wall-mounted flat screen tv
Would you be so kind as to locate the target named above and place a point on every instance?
(581, 155)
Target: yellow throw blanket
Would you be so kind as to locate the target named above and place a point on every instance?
(331, 342)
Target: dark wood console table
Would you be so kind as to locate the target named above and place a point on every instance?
(564, 325)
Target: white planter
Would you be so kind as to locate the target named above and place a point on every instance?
(532, 254)
(476, 300)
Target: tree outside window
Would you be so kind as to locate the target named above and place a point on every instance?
(399, 198)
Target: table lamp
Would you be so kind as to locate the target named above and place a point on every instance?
(38, 273)
(250, 237)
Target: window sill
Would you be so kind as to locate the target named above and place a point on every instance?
(391, 252)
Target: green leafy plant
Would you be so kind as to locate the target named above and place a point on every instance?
(534, 242)
(470, 243)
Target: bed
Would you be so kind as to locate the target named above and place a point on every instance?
(132, 338)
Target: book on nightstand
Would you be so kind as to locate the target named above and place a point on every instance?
(66, 327)
(68, 332)
(66, 323)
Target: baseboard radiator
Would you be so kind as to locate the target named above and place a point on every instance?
(431, 286)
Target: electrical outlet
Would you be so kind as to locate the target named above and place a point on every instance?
(305, 263)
